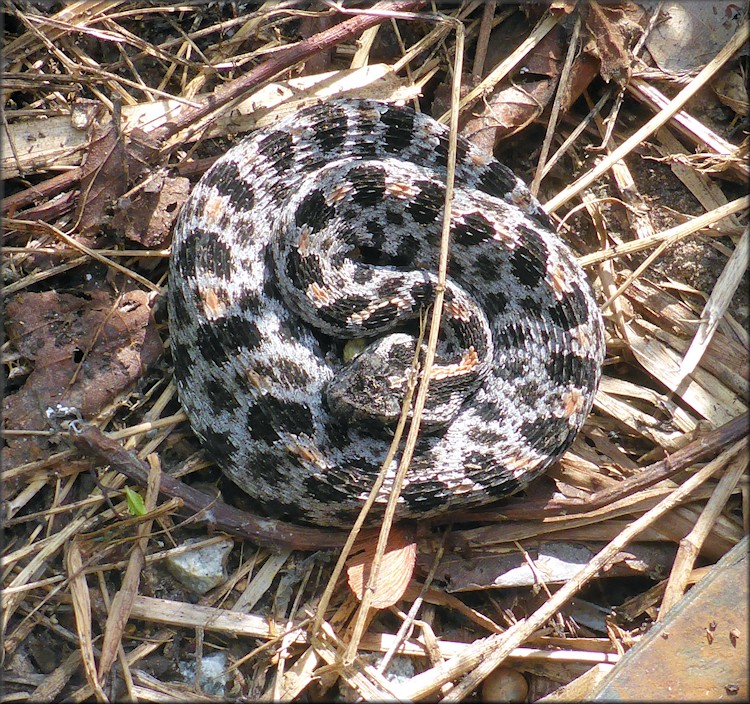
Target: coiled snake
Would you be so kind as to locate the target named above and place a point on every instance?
(325, 228)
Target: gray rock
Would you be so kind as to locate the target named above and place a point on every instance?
(201, 569)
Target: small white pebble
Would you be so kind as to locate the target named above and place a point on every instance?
(214, 677)
(203, 568)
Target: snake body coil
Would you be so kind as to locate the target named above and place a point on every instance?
(326, 227)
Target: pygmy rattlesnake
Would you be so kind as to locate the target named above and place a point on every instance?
(326, 227)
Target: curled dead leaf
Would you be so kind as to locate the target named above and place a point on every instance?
(613, 30)
(149, 217)
(395, 570)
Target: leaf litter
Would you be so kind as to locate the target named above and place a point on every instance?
(110, 108)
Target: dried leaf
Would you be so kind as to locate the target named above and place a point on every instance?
(148, 218)
(513, 107)
(613, 30)
(113, 343)
(689, 34)
(104, 179)
(731, 89)
(79, 592)
(395, 569)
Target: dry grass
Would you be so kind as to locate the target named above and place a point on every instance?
(652, 491)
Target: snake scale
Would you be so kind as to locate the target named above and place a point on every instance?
(325, 228)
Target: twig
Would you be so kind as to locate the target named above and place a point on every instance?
(275, 534)
(697, 451)
(672, 235)
(119, 609)
(421, 398)
(281, 61)
(686, 124)
(691, 544)
(505, 67)
(717, 304)
(562, 86)
(338, 568)
(486, 654)
(576, 133)
(483, 40)
(36, 226)
(237, 624)
(661, 118)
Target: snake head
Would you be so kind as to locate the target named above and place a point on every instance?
(369, 390)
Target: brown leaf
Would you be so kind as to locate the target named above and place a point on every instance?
(613, 29)
(584, 70)
(103, 179)
(395, 569)
(148, 218)
(511, 108)
(507, 112)
(113, 341)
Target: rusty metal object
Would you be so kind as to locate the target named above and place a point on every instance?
(699, 652)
